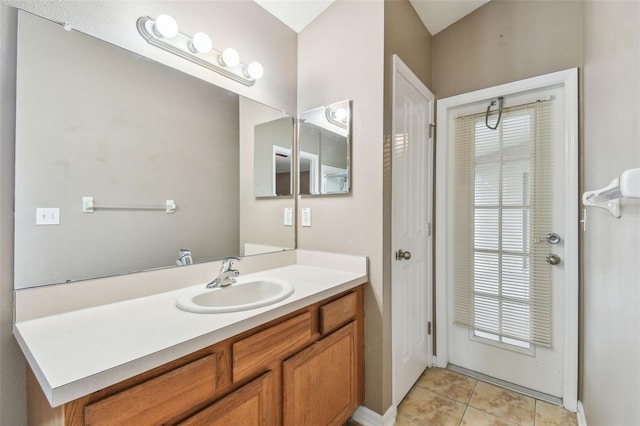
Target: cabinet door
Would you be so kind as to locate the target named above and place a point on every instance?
(251, 405)
(321, 383)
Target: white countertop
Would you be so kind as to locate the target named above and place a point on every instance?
(75, 353)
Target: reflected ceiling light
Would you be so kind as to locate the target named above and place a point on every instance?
(201, 43)
(229, 58)
(165, 26)
(341, 114)
(163, 33)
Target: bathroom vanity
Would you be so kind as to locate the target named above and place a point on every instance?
(144, 361)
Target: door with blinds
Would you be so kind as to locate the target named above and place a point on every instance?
(506, 239)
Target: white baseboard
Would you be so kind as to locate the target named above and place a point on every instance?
(367, 417)
(582, 419)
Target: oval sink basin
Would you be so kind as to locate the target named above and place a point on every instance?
(240, 296)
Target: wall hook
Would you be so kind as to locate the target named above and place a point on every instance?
(486, 116)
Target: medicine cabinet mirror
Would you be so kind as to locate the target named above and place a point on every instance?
(95, 120)
(325, 150)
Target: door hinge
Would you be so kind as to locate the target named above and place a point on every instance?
(432, 129)
(428, 229)
(429, 328)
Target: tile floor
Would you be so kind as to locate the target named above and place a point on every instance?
(444, 397)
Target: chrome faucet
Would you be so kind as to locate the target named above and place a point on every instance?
(227, 275)
(184, 257)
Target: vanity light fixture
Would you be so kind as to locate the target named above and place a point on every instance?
(201, 43)
(163, 33)
(229, 57)
(337, 117)
(254, 70)
(165, 27)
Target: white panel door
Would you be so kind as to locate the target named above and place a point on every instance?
(412, 159)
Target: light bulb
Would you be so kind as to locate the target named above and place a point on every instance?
(165, 26)
(341, 114)
(200, 43)
(229, 57)
(254, 70)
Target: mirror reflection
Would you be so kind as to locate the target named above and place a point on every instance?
(95, 120)
(273, 144)
(325, 151)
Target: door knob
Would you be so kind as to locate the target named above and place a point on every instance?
(553, 259)
(403, 255)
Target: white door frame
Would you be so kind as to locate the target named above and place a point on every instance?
(277, 149)
(400, 68)
(568, 80)
(314, 160)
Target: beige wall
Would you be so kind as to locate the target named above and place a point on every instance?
(504, 41)
(340, 57)
(406, 36)
(611, 247)
(12, 365)
(229, 22)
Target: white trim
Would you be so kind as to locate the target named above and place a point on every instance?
(580, 415)
(314, 160)
(367, 417)
(569, 80)
(277, 149)
(400, 68)
(571, 205)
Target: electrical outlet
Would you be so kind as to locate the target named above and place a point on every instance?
(47, 216)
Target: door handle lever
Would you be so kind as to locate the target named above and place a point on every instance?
(553, 259)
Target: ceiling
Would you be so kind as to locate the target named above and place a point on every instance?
(436, 15)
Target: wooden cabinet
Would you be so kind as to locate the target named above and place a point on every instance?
(154, 401)
(251, 405)
(255, 353)
(305, 368)
(320, 383)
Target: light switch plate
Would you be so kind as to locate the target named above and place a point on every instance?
(288, 216)
(306, 216)
(47, 216)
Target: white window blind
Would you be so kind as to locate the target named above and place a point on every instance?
(503, 209)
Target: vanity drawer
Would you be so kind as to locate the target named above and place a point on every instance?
(158, 400)
(335, 314)
(254, 354)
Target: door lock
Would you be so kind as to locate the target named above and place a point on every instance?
(403, 255)
(553, 238)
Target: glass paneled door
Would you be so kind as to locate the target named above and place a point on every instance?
(507, 233)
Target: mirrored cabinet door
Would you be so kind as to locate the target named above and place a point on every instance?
(325, 150)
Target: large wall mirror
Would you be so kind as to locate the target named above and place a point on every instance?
(95, 120)
(325, 150)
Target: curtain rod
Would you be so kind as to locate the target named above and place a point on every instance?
(507, 108)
